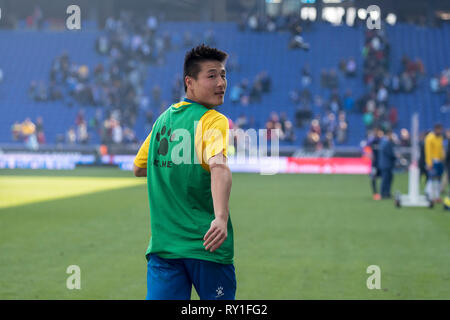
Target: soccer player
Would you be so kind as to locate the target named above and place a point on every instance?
(434, 159)
(189, 185)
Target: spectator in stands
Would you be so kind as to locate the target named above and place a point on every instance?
(40, 130)
(329, 123)
(405, 140)
(350, 67)
(395, 84)
(117, 132)
(28, 128)
(272, 123)
(16, 131)
(334, 104)
(434, 84)
(294, 95)
(306, 76)
(349, 101)
(313, 141)
(342, 128)
(266, 81)
(289, 134)
(152, 23)
(32, 89)
(303, 114)
(444, 78)
(241, 122)
(368, 120)
(297, 42)
(328, 141)
(41, 92)
(236, 93)
(406, 82)
(256, 91)
(102, 45)
(393, 117)
(333, 79)
(382, 95)
(54, 91)
(71, 136)
(129, 136)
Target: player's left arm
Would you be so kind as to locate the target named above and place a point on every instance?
(140, 162)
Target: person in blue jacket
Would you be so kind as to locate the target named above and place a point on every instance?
(386, 164)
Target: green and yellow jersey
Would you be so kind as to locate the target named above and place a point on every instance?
(176, 154)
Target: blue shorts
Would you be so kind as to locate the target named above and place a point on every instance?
(172, 279)
(437, 171)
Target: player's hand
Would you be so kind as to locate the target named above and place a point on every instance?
(216, 235)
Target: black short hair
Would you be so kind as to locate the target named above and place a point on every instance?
(197, 55)
(438, 126)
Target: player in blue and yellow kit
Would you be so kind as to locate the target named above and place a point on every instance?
(434, 160)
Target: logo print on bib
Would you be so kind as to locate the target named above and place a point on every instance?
(163, 142)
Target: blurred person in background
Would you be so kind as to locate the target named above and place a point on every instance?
(422, 165)
(16, 131)
(386, 163)
(375, 173)
(405, 140)
(447, 161)
(40, 130)
(434, 160)
(71, 136)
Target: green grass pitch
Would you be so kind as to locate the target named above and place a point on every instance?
(296, 237)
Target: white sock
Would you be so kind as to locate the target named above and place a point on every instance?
(428, 188)
(436, 189)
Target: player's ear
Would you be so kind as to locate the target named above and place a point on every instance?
(188, 81)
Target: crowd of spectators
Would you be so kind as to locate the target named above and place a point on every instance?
(117, 85)
(326, 117)
(374, 104)
(244, 93)
(325, 131)
(110, 129)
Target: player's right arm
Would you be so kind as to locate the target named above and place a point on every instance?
(220, 190)
(140, 162)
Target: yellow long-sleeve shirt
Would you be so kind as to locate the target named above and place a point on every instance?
(434, 148)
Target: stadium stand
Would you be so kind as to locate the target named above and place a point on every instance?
(28, 57)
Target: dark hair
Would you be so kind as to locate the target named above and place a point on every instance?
(438, 126)
(197, 55)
